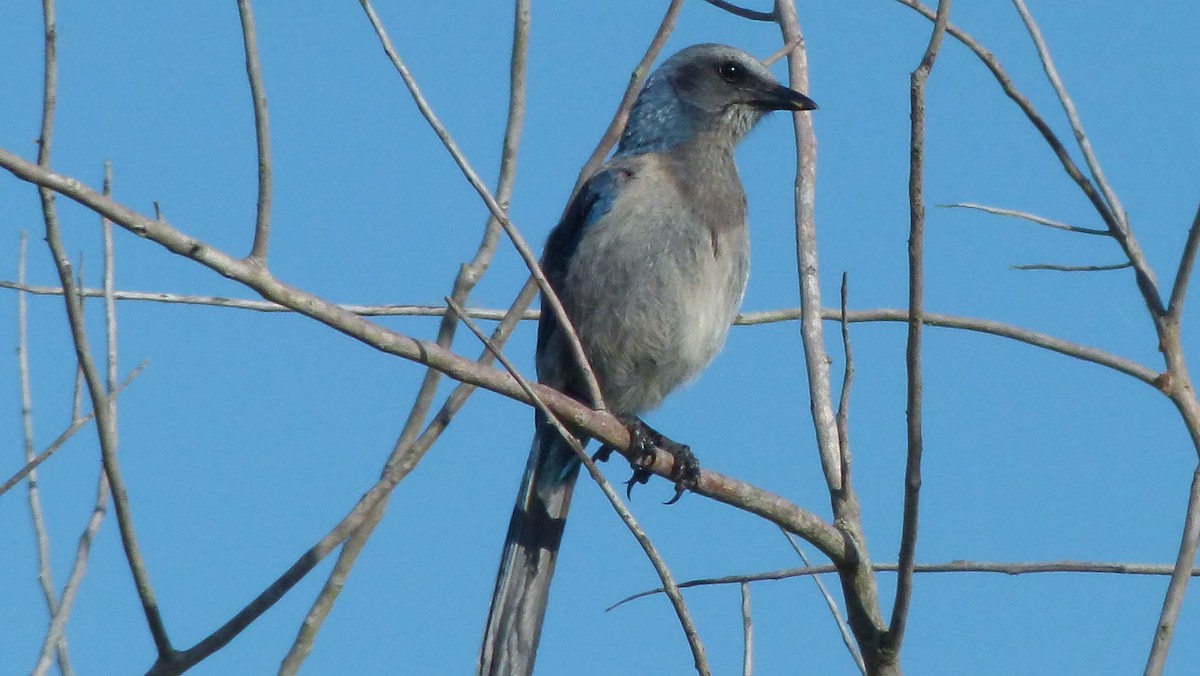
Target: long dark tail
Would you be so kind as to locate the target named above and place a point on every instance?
(514, 623)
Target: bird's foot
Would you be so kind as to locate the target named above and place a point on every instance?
(643, 441)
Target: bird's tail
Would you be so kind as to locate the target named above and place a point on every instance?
(514, 623)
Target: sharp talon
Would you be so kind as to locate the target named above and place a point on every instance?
(679, 489)
(603, 453)
(640, 476)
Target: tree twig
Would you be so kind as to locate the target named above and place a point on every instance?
(916, 298)
(843, 630)
(1013, 569)
(33, 494)
(1180, 575)
(468, 276)
(1184, 273)
(262, 136)
(1056, 267)
(105, 424)
(1033, 218)
(527, 255)
(742, 12)
(747, 633)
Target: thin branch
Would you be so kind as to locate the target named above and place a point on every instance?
(1072, 268)
(1180, 576)
(1116, 226)
(842, 418)
(843, 630)
(59, 621)
(1184, 274)
(468, 276)
(1028, 217)
(76, 425)
(362, 511)
(786, 49)
(262, 136)
(916, 299)
(1072, 116)
(742, 12)
(497, 211)
(858, 585)
(615, 127)
(660, 566)
(33, 495)
(747, 633)
(105, 424)
(958, 322)
(1012, 569)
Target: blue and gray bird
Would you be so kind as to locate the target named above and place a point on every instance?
(650, 262)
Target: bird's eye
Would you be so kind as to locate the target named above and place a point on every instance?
(731, 71)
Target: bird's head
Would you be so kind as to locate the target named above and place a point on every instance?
(706, 88)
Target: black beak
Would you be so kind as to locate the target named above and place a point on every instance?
(778, 97)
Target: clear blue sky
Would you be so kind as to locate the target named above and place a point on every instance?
(249, 435)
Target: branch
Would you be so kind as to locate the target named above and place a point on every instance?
(1184, 274)
(105, 422)
(1072, 268)
(1180, 575)
(743, 12)
(1028, 217)
(531, 262)
(858, 585)
(747, 633)
(916, 298)
(33, 495)
(262, 137)
(843, 630)
(1013, 569)
(959, 322)
(62, 438)
(469, 274)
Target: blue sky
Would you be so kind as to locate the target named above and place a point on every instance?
(249, 435)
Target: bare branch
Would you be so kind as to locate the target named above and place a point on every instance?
(1072, 268)
(743, 12)
(497, 211)
(62, 438)
(33, 495)
(359, 515)
(262, 136)
(1180, 576)
(105, 422)
(783, 51)
(916, 298)
(1012, 569)
(59, 620)
(858, 585)
(747, 633)
(1028, 217)
(843, 410)
(1184, 274)
(973, 324)
(843, 630)
(660, 566)
(468, 276)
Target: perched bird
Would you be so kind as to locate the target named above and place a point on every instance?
(650, 262)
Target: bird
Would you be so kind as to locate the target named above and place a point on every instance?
(650, 261)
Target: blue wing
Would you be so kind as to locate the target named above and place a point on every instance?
(593, 200)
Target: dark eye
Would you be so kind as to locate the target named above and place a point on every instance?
(731, 71)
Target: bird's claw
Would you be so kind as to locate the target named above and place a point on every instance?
(603, 453)
(644, 440)
(640, 476)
